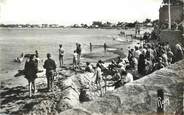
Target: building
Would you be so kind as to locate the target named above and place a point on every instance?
(177, 14)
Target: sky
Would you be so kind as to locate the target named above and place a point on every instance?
(68, 12)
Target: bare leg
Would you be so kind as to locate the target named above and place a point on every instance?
(34, 87)
(30, 88)
(51, 82)
(60, 58)
(48, 86)
(62, 61)
(99, 85)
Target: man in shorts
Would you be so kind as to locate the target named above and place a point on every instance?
(50, 67)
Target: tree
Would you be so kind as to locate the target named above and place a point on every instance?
(147, 21)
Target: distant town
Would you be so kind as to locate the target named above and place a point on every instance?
(95, 24)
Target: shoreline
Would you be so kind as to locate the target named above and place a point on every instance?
(67, 86)
(20, 83)
(92, 57)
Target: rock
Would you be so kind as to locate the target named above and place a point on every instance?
(76, 111)
(70, 94)
(140, 96)
(83, 97)
(107, 104)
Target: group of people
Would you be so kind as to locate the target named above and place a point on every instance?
(146, 58)
(116, 69)
(31, 70)
(31, 67)
(76, 55)
(142, 60)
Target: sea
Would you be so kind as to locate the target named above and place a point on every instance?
(14, 41)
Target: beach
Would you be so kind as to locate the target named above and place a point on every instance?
(15, 41)
(67, 94)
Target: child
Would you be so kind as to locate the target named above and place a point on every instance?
(98, 75)
(75, 57)
(61, 54)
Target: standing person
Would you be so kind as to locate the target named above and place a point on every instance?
(61, 54)
(91, 47)
(37, 56)
(75, 57)
(50, 67)
(137, 52)
(98, 75)
(141, 64)
(179, 54)
(170, 56)
(30, 70)
(105, 47)
(78, 50)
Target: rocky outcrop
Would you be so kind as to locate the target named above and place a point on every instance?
(71, 90)
(140, 97)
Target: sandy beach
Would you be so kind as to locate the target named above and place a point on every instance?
(9, 82)
(27, 43)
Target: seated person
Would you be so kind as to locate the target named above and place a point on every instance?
(127, 77)
(119, 60)
(116, 76)
(159, 64)
(89, 67)
(112, 65)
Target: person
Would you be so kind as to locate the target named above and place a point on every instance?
(75, 57)
(134, 63)
(89, 67)
(78, 50)
(170, 56)
(179, 54)
(141, 64)
(91, 47)
(164, 58)
(37, 56)
(105, 47)
(137, 52)
(130, 55)
(50, 67)
(61, 54)
(128, 77)
(125, 77)
(112, 66)
(30, 71)
(159, 64)
(20, 58)
(98, 75)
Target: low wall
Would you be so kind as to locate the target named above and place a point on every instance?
(141, 96)
(171, 36)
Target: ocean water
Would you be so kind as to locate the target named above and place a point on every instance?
(15, 41)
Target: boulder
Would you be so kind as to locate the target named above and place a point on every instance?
(140, 97)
